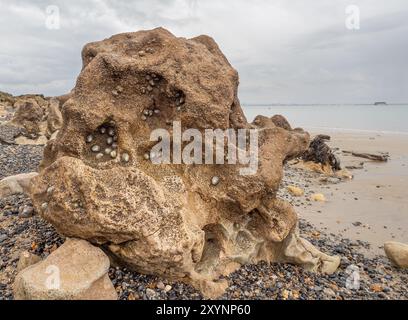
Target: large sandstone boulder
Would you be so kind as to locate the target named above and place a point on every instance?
(75, 271)
(38, 98)
(189, 222)
(29, 115)
(397, 252)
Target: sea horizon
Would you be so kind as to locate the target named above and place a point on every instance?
(357, 117)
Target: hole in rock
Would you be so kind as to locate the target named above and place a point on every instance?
(166, 101)
(102, 143)
(215, 235)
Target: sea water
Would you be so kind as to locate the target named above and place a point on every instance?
(385, 118)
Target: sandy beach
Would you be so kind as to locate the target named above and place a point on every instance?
(358, 216)
(372, 206)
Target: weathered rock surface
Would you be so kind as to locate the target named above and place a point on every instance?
(297, 135)
(189, 222)
(6, 99)
(8, 133)
(397, 252)
(3, 111)
(41, 140)
(75, 271)
(281, 122)
(300, 251)
(54, 118)
(29, 115)
(38, 98)
(30, 119)
(27, 259)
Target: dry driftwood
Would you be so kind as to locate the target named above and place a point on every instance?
(370, 156)
(320, 152)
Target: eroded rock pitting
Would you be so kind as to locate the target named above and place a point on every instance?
(167, 219)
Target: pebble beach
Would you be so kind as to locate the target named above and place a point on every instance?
(377, 278)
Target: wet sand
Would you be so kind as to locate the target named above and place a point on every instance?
(373, 206)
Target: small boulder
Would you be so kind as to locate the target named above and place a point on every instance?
(296, 191)
(75, 271)
(302, 252)
(397, 252)
(318, 197)
(19, 183)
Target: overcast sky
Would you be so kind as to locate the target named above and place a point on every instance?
(286, 51)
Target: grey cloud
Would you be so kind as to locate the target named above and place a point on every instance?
(285, 51)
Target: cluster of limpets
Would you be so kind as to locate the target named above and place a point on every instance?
(152, 80)
(50, 191)
(180, 99)
(107, 146)
(149, 113)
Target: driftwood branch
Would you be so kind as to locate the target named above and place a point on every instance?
(320, 152)
(370, 156)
